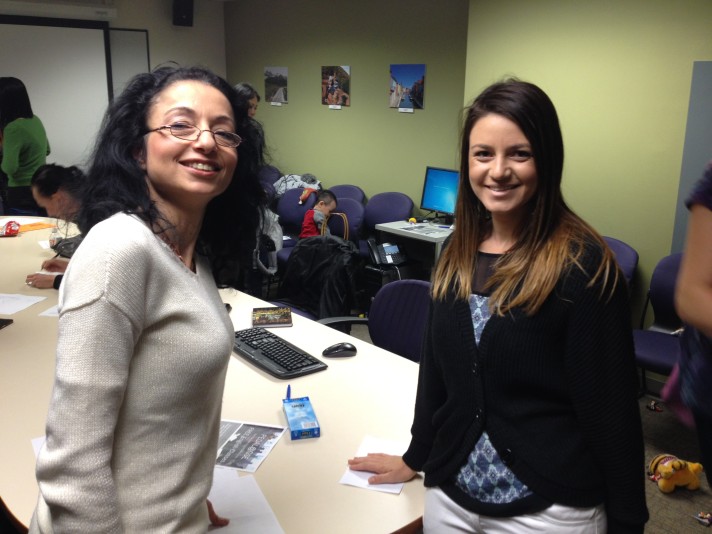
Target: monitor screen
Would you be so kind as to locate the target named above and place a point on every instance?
(440, 190)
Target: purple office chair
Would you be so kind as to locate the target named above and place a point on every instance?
(354, 212)
(349, 191)
(657, 348)
(382, 208)
(397, 318)
(291, 214)
(626, 257)
(268, 175)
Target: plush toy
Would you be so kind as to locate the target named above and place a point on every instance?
(305, 194)
(669, 472)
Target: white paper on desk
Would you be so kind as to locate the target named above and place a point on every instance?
(37, 444)
(241, 500)
(244, 446)
(13, 303)
(51, 312)
(360, 478)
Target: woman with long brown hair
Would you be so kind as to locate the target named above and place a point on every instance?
(526, 415)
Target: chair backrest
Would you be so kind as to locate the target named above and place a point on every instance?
(662, 293)
(626, 256)
(348, 191)
(397, 317)
(269, 174)
(291, 212)
(354, 211)
(387, 207)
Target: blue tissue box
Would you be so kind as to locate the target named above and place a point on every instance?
(301, 419)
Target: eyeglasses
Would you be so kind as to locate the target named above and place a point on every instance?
(188, 132)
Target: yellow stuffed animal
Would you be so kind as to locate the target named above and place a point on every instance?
(669, 472)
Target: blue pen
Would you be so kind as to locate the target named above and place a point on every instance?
(289, 391)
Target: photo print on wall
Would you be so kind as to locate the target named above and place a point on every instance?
(336, 86)
(276, 85)
(407, 90)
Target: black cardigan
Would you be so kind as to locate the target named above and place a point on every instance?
(556, 392)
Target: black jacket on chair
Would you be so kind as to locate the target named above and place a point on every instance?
(319, 277)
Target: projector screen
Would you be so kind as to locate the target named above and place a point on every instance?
(65, 71)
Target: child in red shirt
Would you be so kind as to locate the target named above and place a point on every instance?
(315, 218)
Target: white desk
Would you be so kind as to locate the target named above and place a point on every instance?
(429, 233)
(370, 394)
(27, 352)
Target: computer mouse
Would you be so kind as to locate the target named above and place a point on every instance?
(339, 350)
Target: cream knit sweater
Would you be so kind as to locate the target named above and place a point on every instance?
(135, 410)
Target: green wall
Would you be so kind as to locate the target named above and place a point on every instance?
(619, 73)
(368, 143)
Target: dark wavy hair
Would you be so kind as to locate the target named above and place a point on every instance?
(50, 178)
(551, 239)
(117, 183)
(14, 101)
(245, 93)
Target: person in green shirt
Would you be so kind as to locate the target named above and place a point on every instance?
(24, 147)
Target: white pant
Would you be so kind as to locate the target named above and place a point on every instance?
(443, 516)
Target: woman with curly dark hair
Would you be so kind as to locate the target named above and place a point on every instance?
(144, 338)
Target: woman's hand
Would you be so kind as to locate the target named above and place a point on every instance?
(215, 519)
(40, 281)
(55, 265)
(389, 469)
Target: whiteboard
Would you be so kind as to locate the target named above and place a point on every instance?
(65, 72)
(129, 56)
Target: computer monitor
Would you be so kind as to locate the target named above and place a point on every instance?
(440, 192)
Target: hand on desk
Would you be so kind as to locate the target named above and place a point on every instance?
(46, 281)
(40, 281)
(390, 469)
(55, 265)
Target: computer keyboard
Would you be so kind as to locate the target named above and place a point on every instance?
(273, 354)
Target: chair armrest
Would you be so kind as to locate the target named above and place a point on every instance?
(343, 320)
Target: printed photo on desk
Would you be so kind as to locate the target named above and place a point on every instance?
(243, 446)
(272, 317)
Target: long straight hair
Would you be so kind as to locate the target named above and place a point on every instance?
(553, 237)
(14, 101)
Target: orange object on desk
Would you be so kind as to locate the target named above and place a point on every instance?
(35, 226)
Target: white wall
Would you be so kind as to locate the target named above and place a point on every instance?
(37, 56)
(201, 44)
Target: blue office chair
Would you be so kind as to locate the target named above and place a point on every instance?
(291, 214)
(657, 347)
(382, 208)
(349, 191)
(626, 257)
(354, 212)
(268, 175)
(397, 317)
